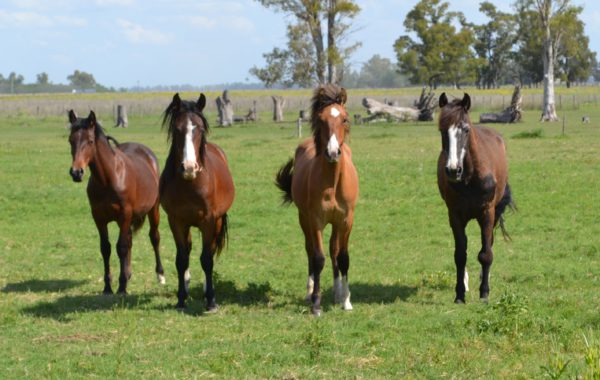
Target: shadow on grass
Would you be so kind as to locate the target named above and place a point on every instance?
(380, 293)
(61, 308)
(40, 286)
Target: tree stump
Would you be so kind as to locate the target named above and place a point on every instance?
(510, 115)
(278, 105)
(121, 117)
(426, 105)
(225, 108)
(379, 110)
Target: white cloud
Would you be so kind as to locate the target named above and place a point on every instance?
(112, 3)
(24, 19)
(240, 23)
(220, 6)
(137, 34)
(202, 22)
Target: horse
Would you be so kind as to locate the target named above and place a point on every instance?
(322, 182)
(196, 190)
(472, 176)
(123, 187)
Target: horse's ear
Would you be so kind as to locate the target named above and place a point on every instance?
(92, 120)
(466, 102)
(342, 97)
(201, 102)
(72, 117)
(443, 100)
(176, 100)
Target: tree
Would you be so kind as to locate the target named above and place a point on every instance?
(81, 79)
(377, 72)
(574, 58)
(550, 10)
(493, 45)
(442, 53)
(529, 66)
(42, 78)
(306, 45)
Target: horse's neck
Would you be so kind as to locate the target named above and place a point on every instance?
(102, 165)
(473, 160)
(332, 172)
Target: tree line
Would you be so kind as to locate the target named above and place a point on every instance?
(78, 81)
(440, 46)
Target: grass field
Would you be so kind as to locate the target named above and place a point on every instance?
(543, 318)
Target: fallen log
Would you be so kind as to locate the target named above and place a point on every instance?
(512, 114)
(379, 110)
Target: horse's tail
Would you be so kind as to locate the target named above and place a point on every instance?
(223, 236)
(283, 180)
(506, 201)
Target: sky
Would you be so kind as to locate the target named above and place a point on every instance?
(126, 43)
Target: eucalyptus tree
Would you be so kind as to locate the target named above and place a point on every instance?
(441, 51)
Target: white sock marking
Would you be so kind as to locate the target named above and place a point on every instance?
(466, 280)
(346, 305)
(161, 279)
(186, 279)
(310, 285)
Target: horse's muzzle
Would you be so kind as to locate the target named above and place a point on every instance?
(333, 156)
(189, 171)
(76, 174)
(454, 175)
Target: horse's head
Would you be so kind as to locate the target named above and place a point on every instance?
(454, 125)
(187, 131)
(83, 143)
(330, 123)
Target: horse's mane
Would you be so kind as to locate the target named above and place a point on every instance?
(98, 131)
(170, 116)
(452, 113)
(324, 96)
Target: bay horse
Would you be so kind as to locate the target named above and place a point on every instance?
(196, 190)
(123, 187)
(322, 182)
(472, 175)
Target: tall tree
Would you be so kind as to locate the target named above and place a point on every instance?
(493, 45)
(441, 52)
(81, 79)
(311, 15)
(42, 78)
(548, 11)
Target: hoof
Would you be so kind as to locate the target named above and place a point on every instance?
(484, 300)
(180, 306)
(107, 292)
(211, 309)
(316, 312)
(161, 278)
(459, 301)
(122, 292)
(347, 306)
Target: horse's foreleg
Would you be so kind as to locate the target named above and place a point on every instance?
(460, 257)
(486, 256)
(338, 249)
(316, 261)
(105, 250)
(182, 238)
(207, 262)
(124, 251)
(154, 218)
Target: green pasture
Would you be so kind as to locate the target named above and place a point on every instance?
(542, 319)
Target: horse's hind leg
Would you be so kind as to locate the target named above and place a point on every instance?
(105, 250)
(154, 218)
(460, 256)
(486, 255)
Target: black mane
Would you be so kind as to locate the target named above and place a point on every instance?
(173, 111)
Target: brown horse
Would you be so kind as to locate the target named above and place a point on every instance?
(123, 187)
(473, 181)
(322, 181)
(196, 190)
